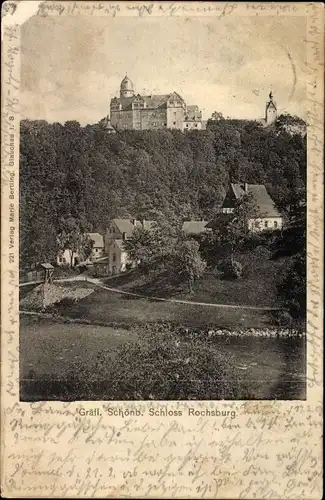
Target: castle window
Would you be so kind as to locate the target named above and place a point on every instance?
(114, 257)
(174, 123)
(275, 224)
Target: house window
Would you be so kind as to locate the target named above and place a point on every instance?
(266, 224)
(114, 257)
(257, 224)
(275, 224)
(60, 260)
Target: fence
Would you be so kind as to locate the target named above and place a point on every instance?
(25, 277)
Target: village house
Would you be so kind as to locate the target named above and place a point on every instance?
(269, 217)
(115, 259)
(98, 246)
(66, 258)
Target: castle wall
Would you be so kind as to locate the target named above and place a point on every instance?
(153, 119)
(137, 119)
(122, 119)
(175, 117)
(192, 125)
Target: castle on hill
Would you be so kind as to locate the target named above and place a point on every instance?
(152, 112)
(133, 111)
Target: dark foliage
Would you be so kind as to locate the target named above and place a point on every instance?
(91, 176)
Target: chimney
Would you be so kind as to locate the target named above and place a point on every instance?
(246, 187)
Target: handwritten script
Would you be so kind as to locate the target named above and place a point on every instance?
(129, 456)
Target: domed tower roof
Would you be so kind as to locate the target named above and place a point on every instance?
(126, 88)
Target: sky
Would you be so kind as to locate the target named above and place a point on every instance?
(71, 67)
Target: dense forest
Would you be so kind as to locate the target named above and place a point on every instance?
(85, 173)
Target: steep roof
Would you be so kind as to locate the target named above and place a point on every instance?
(237, 190)
(155, 101)
(262, 198)
(194, 226)
(97, 239)
(192, 107)
(264, 201)
(46, 265)
(125, 226)
(152, 101)
(271, 104)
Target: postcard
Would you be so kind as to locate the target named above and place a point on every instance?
(162, 249)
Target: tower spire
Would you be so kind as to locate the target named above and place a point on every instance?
(270, 110)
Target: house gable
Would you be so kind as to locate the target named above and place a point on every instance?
(234, 193)
(263, 200)
(175, 100)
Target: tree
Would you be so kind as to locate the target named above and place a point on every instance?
(232, 229)
(217, 115)
(96, 176)
(72, 238)
(293, 287)
(188, 263)
(140, 247)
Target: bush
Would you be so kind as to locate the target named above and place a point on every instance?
(231, 269)
(292, 287)
(168, 367)
(262, 252)
(284, 319)
(65, 302)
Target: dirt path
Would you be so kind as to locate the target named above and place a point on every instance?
(97, 282)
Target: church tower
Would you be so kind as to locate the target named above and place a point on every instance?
(270, 110)
(126, 88)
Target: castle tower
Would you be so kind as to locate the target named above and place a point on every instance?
(126, 88)
(270, 110)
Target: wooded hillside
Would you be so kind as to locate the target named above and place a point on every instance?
(90, 175)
